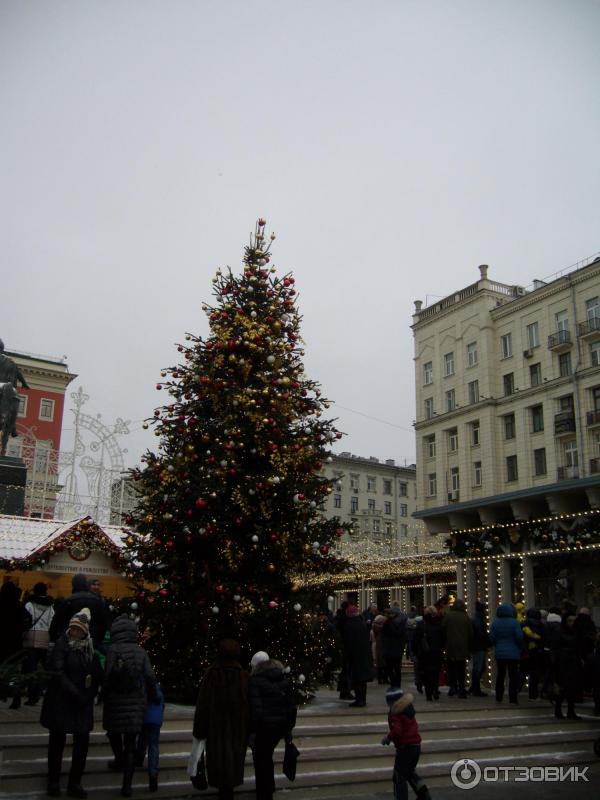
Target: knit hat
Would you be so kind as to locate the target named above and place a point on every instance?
(258, 658)
(393, 693)
(81, 620)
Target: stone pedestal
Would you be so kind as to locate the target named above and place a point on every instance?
(13, 476)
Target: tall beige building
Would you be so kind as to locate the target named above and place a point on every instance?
(508, 401)
(378, 498)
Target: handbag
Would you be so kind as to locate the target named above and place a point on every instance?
(38, 640)
(290, 760)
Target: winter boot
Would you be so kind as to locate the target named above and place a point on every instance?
(128, 775)
(152, 783)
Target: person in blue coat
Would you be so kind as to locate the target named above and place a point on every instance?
(149, 737)
(507, 637)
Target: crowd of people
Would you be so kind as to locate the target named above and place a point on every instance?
(555, 652)
(73, 653)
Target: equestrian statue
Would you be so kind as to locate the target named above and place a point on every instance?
(10, 375)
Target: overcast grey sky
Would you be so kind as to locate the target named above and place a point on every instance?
(392, 145)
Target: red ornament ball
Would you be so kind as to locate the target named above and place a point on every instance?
(163, 592)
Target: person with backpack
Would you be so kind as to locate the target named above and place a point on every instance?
(68, 706)
(129, 683)
(272, 717)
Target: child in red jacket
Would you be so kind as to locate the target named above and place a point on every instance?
(404, 733)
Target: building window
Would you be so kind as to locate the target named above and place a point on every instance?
(506, 345)
(450, 400)
(455, 479)
(509, 426)
(429, 408)
(429, 442)
(533, 335)
(571, 454)
(387, 507)
(509, 383)
(449, 364)
(22, 411)
(371, 483)
(42, 456)
(562, 323)
(537, 419)
(473, 387)
(431, 484)
(472, 357)
(404, 529)
(388, 528)
(403, 510)
(47, 409)
(512, 472)
(428, 372)
(598, 444)
(354, 481)
(453, 440)
(337, 500)
(387, 486)
(353, 505)
(376, 526)
(477, 473)
(475, 433)
(564, 365)
(596, 398)
(403, 490)
(592, 309)
(535, 374)
(371, 504)
(595, 354)
(539, 461)
(565, 403)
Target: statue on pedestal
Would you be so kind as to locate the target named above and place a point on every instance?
(10, 376)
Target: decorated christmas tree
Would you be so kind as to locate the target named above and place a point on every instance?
(229, 519)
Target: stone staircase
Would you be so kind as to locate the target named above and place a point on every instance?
(340, 748)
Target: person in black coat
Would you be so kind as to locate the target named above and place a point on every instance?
(343, 685)
(68, 705)
(129, 683)
(14, 621)
(569, 669)
(480, 644)
(393, 636)
(81, 598)
(272, 717)
(357, 647)
(429, 647)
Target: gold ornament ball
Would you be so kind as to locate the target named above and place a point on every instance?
(271, 567)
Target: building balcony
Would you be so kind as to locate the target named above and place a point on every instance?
(593, 419)
(564, 423)
(594, 466)
(560, 341)
(567, 473)
(590, 329)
